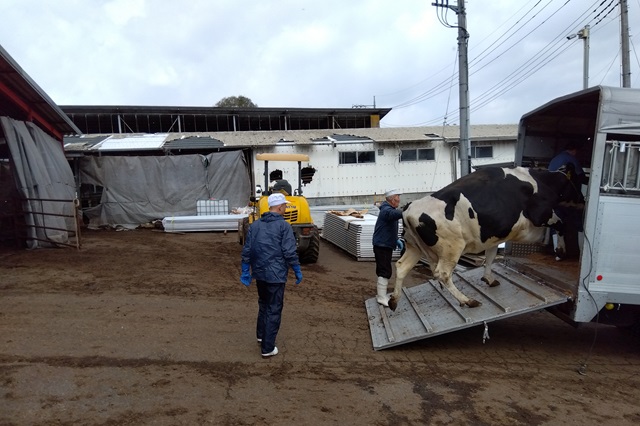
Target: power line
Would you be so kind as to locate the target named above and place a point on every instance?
(534, 64)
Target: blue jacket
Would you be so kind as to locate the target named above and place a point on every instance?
(385, 233)
(563, 158)
(270, 248)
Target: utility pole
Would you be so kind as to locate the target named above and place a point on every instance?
(463, 84)
(583, 34)
(624, 37)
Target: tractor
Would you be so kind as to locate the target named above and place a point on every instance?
(297, 214)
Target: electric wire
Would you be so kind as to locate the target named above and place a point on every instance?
(442, 86)
(514, 80)
(534, 64)
(438, 88)
(452, 78)
(582, 369)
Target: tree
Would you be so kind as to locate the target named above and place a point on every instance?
(236, 102)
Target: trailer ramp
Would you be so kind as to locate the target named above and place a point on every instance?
(427, 310)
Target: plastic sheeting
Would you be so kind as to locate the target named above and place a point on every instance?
(141, 189)
(41, 172)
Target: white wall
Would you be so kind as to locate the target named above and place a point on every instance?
(366, 182)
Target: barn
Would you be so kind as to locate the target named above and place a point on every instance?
(351, 166)
(37, 187)
(133, 164)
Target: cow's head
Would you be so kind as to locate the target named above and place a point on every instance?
(569, 186)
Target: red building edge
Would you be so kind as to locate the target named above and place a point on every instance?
(22, 99)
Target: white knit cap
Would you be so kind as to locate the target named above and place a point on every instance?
(276, 199)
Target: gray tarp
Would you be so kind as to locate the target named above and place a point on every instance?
(42, 172)
(140, 189)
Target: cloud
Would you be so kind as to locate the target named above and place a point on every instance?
(294, 53)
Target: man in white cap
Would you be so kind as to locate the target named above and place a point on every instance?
(269, 250)
(385, 240)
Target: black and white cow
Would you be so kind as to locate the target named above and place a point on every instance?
(478, 212)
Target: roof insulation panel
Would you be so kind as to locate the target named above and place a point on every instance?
(136, 142)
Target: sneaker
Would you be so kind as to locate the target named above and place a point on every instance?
(259, 340)
(272, 353)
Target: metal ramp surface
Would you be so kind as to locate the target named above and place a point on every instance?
(426, 310)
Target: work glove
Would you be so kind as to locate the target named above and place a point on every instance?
(400, 244)
(245, 277)
(298, 272)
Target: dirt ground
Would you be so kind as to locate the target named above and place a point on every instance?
(145, 327)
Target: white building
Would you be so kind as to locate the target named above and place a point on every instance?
(356, 166)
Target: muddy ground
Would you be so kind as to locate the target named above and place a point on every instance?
(145, 327)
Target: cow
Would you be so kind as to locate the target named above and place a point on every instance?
(478, 212)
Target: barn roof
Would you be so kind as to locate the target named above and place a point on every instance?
(380, 135)
(192, 119)
(22, 99)
(231, 140)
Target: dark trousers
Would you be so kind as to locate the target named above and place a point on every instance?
(383, 256)
(270, 304)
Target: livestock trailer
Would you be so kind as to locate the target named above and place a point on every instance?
(605, 284)
(600, 281)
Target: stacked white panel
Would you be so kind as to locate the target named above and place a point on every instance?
(354, 235)
(226, 222)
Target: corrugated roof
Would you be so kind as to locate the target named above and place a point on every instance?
(132, 142)
(81, 143)
(343, 138)
(216, 140)
(380, 135)
(193, 142)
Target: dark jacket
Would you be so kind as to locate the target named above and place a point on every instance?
(564, 158)
(385, 233)
(270, 248)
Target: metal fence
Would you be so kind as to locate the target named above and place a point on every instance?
(16, 223)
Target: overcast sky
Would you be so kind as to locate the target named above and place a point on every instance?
(318, 54)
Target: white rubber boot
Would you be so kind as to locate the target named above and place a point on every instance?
(382, 297)
(554, 237)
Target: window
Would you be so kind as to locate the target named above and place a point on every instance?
(621, 174)
(481, 152)
(422, 154)
(357, 157)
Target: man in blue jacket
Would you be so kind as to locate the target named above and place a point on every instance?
(269, 250)
(569, 215)
(385, 240)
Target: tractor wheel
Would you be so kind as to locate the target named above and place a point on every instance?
(243, 230)
(312, 252)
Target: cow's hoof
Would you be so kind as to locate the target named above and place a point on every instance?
(490, 284)
(472, 303)
(393, 304)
